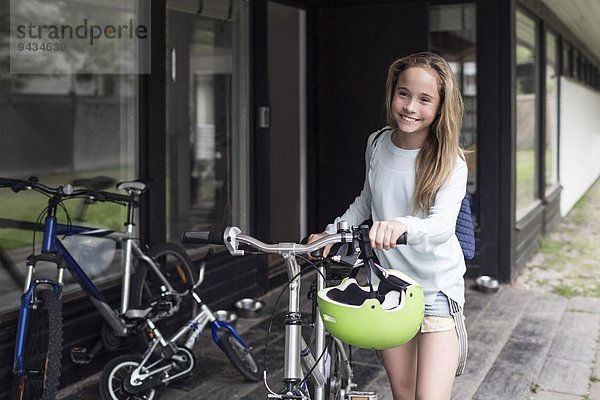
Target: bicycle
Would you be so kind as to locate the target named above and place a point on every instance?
(330, 374)
(163, 278)
(169, 359)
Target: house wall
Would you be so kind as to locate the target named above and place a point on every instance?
(579, 164)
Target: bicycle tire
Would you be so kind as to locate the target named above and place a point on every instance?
(241, 357)
(113, 375)
(177, 266)
(336, 380)
(42, 350)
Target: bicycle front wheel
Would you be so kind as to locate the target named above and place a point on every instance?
(176, 266)
(113, 382)
(240, 356)
(337, 380)
(40, 373)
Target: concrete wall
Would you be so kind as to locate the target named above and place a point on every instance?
(579, 141)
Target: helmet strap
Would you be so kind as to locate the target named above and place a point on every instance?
(369, 258)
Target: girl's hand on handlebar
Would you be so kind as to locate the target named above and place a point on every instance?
(316, 236)
(384, 234)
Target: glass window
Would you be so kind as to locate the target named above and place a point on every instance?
(551, 106)
(453, 36)
(525, 103)
(61, 128)
(201, 117)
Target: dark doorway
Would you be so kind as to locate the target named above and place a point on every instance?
(353, 47)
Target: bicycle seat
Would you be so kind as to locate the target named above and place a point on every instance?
(137, 186)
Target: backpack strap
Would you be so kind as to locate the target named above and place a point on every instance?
(379, 133)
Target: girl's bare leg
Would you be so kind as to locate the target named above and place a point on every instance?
(401, 366)
(437, 363)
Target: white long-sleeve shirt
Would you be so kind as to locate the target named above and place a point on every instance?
(432, 256)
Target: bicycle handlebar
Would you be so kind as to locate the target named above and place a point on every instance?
(232, 236)
(65, 191)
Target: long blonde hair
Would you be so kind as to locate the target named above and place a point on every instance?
(437, 157)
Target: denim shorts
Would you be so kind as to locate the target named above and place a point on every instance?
(438, 317)
(439, 308)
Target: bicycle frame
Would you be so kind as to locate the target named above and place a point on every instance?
(192, 329)
(319, 370)
(50, 245)
(292, 369)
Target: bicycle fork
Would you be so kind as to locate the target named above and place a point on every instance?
(319, 372)
(296, 351)
(28, 298)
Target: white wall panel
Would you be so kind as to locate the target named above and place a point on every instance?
(579, 141)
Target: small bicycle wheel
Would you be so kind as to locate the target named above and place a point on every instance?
(176, 266)
(42, 349)
(114, 376)
(240, 356)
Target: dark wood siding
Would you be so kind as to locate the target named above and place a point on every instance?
(353, 47)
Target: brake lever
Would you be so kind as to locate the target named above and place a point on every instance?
(317, 254)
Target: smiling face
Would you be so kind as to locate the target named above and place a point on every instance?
(415, 104)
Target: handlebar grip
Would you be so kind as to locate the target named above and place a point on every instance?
(202, 237)
(402, 239)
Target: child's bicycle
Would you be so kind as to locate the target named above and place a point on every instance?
(330, 375)
(163, 278)
(167, 359)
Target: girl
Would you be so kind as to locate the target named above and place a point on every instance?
(415, 182)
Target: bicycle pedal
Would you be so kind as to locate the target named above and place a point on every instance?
(360, 395)
(80, 355)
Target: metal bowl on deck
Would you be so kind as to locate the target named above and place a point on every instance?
(487, 284)
(249, 308)
(226, 316)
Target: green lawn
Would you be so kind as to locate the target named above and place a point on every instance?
(526, 181)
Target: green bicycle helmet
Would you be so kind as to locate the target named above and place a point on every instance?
(388, 316)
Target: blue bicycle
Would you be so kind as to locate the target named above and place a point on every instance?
(159, 288)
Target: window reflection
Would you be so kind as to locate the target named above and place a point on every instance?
(551, 134)
(62, 128)
(525, 102)
(453, 36)
(200, 123)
